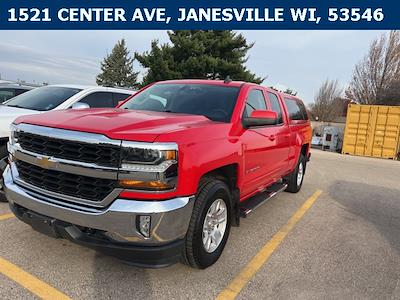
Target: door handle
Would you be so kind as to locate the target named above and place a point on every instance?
(272, 137)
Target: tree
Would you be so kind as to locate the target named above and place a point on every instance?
(117, 68)
(201, 54)
(327, 102)
(376, 76)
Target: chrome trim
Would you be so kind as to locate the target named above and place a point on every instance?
(54, 197)
(90, 138)
(170, 218)
(70, 135)
(64, 165)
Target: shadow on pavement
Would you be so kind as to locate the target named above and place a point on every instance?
(378, 205)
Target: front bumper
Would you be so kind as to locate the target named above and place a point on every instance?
(116, 223)
(143, 256)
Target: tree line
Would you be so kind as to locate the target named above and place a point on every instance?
(375, 81)
(213, 54)
(200, 54)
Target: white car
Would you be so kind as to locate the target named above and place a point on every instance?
(53, 97)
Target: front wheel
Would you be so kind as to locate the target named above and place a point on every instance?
(295, 179)
(209, 226)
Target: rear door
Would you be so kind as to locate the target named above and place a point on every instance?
(282, 134)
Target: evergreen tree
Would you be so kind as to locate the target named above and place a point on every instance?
(117, 68)
(199, 54)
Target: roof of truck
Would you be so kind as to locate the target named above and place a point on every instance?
(204, 81)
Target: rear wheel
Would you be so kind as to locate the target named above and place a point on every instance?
(3, 165)
(295, 179)
(209, 226)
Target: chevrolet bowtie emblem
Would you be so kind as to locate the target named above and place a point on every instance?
(45, 162)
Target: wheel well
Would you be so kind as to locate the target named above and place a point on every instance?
(227, 174)
(304, 149)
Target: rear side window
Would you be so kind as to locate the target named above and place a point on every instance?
(255, 101)
(118, 97)
(275, 106)
(6, 94)
(296, 110)
(20, 91)
(99, 99)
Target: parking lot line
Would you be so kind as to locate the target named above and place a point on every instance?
(30, 282)
(245, 275)
(6, 216)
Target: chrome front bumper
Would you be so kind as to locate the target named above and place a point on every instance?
(169, 218)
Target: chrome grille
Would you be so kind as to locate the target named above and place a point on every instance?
(79, 186)
(102, 155)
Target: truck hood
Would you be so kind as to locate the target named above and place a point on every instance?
(117, 123)
(8, 114)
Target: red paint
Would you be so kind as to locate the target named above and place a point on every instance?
(262, 155)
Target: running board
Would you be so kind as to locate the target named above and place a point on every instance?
(254, 202)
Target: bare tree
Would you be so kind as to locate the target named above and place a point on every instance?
(377, 74)
(327, 102)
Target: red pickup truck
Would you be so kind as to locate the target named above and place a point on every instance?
(163, 177)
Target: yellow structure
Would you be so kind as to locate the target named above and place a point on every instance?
(372, 130)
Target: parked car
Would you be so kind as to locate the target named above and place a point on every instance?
(53, 97)
(9, 90)
(163, 177)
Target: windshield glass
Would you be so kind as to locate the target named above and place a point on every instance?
(212, 101)
(44, 98)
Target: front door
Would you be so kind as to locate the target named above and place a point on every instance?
(260, 148)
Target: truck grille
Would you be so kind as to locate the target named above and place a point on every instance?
(102, 155)
(84, 187)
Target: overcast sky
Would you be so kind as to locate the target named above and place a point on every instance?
(301, 60)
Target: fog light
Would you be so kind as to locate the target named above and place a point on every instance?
(144, 224)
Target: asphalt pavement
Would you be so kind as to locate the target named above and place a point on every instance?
(346, 245)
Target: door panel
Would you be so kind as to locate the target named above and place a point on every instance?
(261, 147)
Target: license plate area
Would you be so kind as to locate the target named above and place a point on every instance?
(42, 224)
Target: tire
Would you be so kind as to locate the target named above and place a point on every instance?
(3, 164)
(293, 180)
(195, 253)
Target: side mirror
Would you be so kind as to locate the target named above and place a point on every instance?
(260, 118)
(80, 105)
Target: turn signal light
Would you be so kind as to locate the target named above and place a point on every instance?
(145, 185)
(170, 155)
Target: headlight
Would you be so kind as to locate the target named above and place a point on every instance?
(148, 166)
(12, 135)
(146, 156)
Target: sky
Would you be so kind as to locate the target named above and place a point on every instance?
(300, 60)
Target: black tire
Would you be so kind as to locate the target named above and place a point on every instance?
(194, 253)
(3, 157)
(293, 185)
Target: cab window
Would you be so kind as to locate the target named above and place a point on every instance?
(296, 110)
(118, 97)
(99, 99)
(275, 106)
(255, 101)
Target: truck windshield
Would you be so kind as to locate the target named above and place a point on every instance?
(215, 102)
(43, 98)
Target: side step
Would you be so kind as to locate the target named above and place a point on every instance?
(251, 204)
